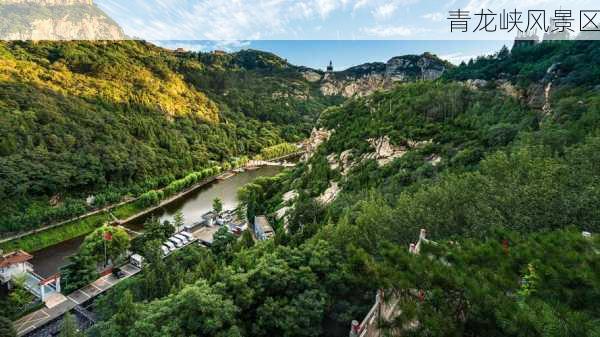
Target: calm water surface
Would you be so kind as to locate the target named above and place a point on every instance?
(47, 261)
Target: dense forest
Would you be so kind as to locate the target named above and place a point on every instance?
(503, 187)
(503, 177)
(116, 119)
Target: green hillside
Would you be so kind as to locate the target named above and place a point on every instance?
(118, 118)
(497, 161)
(480, 167)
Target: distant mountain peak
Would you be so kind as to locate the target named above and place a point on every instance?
(47, 2)
(366, 78)
(56, 20)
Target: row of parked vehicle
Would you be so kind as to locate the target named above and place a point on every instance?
(177, 241)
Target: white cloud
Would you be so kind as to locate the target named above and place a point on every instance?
(324, 7)
(477, 5)
(457, 58)
(205, 46)
(239, 19)
(385, 11)
(437, 16)
(360, 4)
(387, 32)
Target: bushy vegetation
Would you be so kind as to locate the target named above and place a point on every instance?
(507, 284)
(116, 119)
(104, 247)
(507, 199)
(507, 202)
(575, 61)
(278, 150)
(46, 238)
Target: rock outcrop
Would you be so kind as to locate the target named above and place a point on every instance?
(56, 20)
(364, 79)
(317, 137)
(329, 194)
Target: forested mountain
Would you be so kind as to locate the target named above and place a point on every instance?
(502, 176)
(495, 178)
(118, 118)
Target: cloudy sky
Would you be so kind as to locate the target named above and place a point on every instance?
(240, 23)
(309, 19)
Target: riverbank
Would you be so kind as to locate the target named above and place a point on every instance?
(85, 224)
(121, 213)
(54, 235)
(167, 201)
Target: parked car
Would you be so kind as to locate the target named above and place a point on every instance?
(118, 273)
(170, 245)
(187, 235)
(136, 260)
(177, 242)
(165, 250)
(182, 238)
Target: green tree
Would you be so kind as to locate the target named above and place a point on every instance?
(473, 286)
(69, 327)
(217, 205)
(106, 242)
(246, 241)
(156, 280)
(194, 311)
(6, 328)
(178, 220)
(153, 230)
(223, 243)
(80, 271)
(126, 313)
(19, 297)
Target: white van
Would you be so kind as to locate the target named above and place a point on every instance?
(176, 241)
(170, 245)
(188, 235)
(165, 250)
(182, 238)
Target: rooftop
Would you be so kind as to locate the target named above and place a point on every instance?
(262, 221)
(18, 256)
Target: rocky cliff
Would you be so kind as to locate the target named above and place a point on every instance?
(366, 78)
(56, 20)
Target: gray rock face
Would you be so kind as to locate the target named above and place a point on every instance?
(364, 79)
(56, 20)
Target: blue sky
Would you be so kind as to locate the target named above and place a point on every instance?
(236, 22)
(346, 53)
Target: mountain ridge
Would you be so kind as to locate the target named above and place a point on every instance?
(56, 20)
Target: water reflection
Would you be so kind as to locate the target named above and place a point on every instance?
(47, 261)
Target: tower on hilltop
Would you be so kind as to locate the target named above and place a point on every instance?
(330, 67)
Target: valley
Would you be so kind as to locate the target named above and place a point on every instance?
(467, 193)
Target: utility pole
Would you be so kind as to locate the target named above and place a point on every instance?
(105, 258)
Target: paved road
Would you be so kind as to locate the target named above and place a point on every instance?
(41, 317)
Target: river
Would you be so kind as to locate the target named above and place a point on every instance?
(47, 261)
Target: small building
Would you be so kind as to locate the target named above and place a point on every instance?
(262, 228)
(14, 264)
(209, 218)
